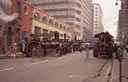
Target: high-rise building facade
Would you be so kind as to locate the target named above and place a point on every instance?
(97, 19)
(87, 19)
(77, 13)
(123, 20)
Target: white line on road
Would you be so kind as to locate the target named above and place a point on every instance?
(39, 62)
(106, 76)
(61, 57)
(73, 55)
(6, 69)
(70, 76)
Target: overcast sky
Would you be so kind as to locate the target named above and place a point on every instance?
(110, 15)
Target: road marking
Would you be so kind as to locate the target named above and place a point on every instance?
(61, 58)
(73, 55)
(70, 76)
(7, 69)
(106, 76)
(39, 62)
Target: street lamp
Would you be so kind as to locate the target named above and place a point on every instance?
(116, 2)
(120, 51)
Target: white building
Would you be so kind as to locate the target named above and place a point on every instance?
(77, 13)
(97, 19)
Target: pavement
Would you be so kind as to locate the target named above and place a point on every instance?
(9, 55)
(115, 77)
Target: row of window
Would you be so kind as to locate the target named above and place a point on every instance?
(70, 19)
(47, 33)
(44, 19)
(77, 33)
(64, 12)
(10, 37)
(60, 5)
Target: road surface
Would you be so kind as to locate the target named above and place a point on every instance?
(68, 68)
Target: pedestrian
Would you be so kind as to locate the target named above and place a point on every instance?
(3, 48)
(72, 47)
(40, 49)
(115, 48)
(26, 39)
(87, 52)
(23, 44)
(80, 49)
(14, 50)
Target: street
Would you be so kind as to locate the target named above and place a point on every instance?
(68, 68)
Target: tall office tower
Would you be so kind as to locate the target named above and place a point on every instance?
(123, 20)
(77, 13)
(97, 19)
(87, 19)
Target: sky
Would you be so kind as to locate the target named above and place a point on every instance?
(110, 15)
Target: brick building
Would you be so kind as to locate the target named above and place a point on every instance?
(30, 21)
(15, 30)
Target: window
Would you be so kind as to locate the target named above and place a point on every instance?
(17, 36)
(60, 25)
(51, 35)
(24, 33)
(44, 19)
(77, 33)
(68, 29)
(37, 30)
(36, 15)
(78, 19)
(9, 36)
(78, 12)
(50, 22)
(76, 26)
(64, 27)
(45, 31)
(56, 24)
(18, 7)
(45, 34)
(96, 15)
(25, 10)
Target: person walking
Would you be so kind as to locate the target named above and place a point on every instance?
(14, 50)
(72, 47)
(23, 43)
(87, 52)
